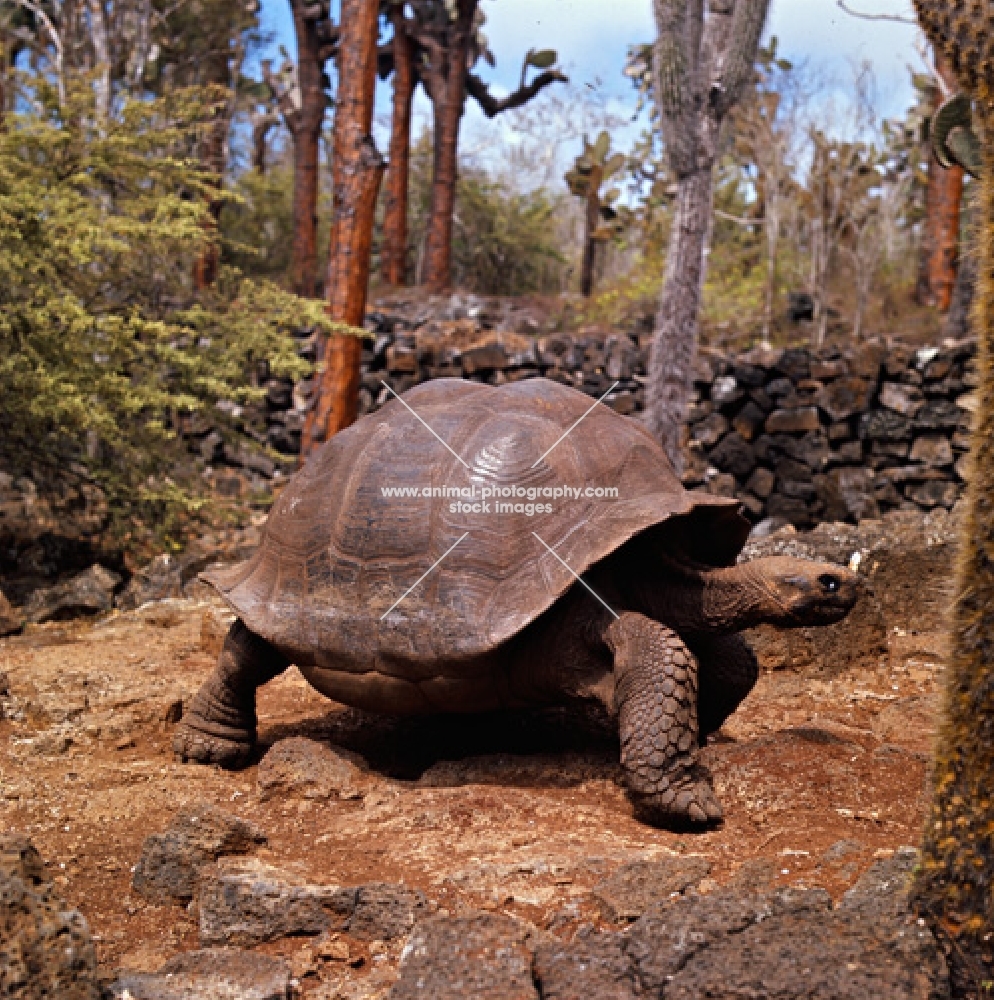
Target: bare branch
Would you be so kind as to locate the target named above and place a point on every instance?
(55, 38)
(899, 18)
(493, 106)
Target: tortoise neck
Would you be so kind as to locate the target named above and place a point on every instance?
(694, 599)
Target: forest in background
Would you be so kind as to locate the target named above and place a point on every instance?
(166, 196)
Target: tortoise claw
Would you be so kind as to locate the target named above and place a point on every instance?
(206, 745)
(689, 802)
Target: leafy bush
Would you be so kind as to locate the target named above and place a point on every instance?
(103, 342)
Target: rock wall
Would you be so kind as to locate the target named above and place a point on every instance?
(799, 436)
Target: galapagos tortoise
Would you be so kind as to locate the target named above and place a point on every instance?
(495, 613)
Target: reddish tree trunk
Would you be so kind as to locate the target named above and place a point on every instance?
(395, 214)
(448, 103)
(943, 201)
(357, 174)
(213, 156)
(306, 129)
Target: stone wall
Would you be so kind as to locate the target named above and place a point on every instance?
(799, 436)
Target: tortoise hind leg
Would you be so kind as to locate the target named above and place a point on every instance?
(656, 701)
(220, 725)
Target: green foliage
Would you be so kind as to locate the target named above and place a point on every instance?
(103, 343)
(505, 242)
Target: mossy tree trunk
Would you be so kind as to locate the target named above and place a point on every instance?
(357, 175)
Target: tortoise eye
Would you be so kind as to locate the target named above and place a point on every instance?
(829, 582)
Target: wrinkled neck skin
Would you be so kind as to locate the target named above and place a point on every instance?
(713, 600)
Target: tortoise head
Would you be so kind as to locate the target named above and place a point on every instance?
(797, 592)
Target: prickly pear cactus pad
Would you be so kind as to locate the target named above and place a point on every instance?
(964, 31)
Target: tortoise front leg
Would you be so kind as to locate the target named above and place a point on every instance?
(656, 701)
(728, 672)
(220, 725)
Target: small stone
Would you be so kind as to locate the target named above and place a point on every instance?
(45, 947)
(487, 357)
(936, 493)
(725, 391)
(483, 956)
(87, 593)
(634, 887)
(331, 948)
(749, 421)
(761, 482)
(244, 902)
(904, 399)
(709, 431)
(733, 455)
(884, 425)
(845, 397)
(932, 449)
(303, 767)
(211, 973)
(797, 421)
(591, 967)
(171, 861)
(385, 912)
(10, 621)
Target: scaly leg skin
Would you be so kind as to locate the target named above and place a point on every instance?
(220, 725)
(656, 700)
(728, 672)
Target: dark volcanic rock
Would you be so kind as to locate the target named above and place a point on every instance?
(384, 911)
(10, 620)
(635, 887)
(246, 902)
(88, 593)
(484, 956)
(171, 861)
(45, 948)
(592, 967)
(302, 767)
(209, 974)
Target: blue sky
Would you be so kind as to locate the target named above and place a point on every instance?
(592, 38)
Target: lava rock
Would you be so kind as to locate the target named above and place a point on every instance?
(881, 893)
(592, 967)
(45, 947)
(10, 621)
(302, 767)
(88, 593)
(245, 902)
(633, 888)
(904, 399)
(211, 973)
(845, 397)
(734, 455)
(485, 956)
(384, 912)
(797, 421)
(160, 580)
(171, 861)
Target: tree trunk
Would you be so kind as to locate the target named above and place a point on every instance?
(674, 347)
(101, 56)
(306, 130)
(943, 198)
(953, 884)
(214, 158)
(398, 174)
(590, 223)
(358, 172)
(447, 118)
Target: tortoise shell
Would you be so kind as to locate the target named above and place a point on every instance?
(337, 553)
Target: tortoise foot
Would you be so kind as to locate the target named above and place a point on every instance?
(685, 800)
(201, 742)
